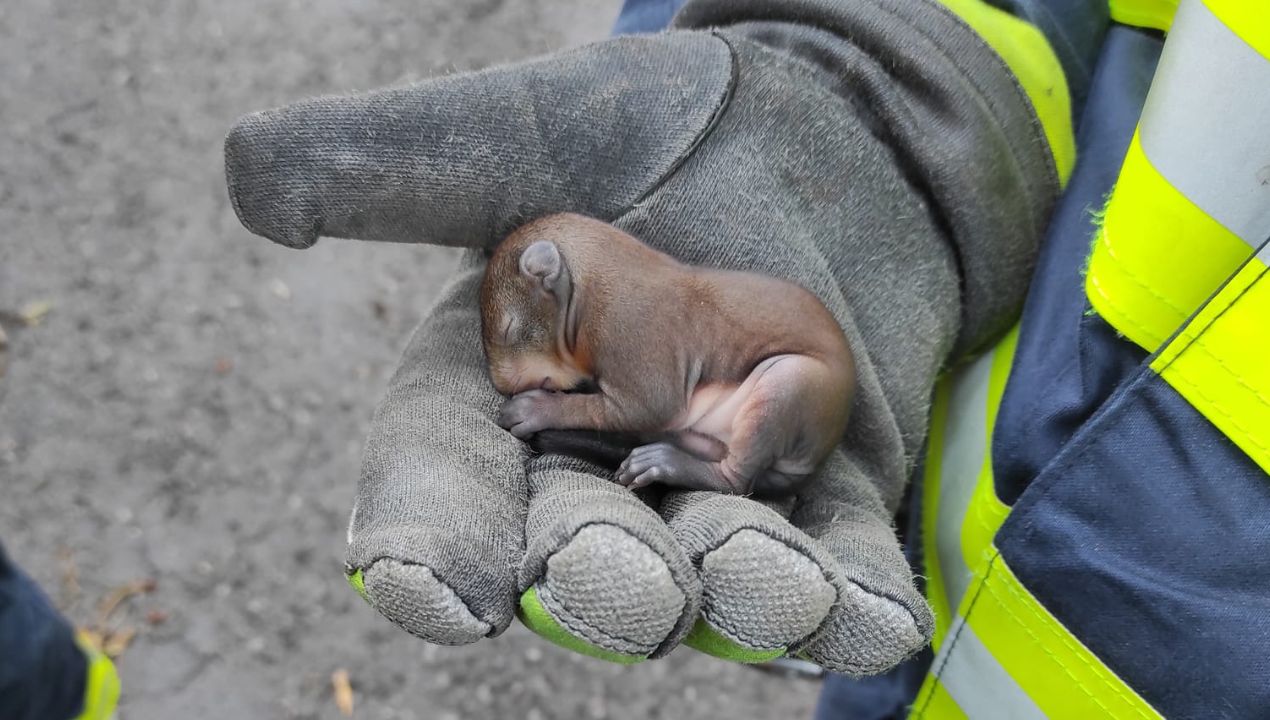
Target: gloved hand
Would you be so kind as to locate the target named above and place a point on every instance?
(875, 152)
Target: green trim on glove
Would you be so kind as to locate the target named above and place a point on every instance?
(704, 638)
(358, 582)
(537, 618)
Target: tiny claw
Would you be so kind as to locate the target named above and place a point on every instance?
(644, 480)
(522, 431)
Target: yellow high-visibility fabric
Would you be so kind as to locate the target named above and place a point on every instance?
(1173, 268)
(1157, 256)
(1153, 14)
(1190, 210)
(1042, 670)
(1001, 654)
(1247, 19)
(1029, 56)
(958, 480)
(1219, 362)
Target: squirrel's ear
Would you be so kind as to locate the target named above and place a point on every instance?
(542, 262)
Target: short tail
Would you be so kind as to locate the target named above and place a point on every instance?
(606, 449)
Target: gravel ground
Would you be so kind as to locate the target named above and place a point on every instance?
(191, 407)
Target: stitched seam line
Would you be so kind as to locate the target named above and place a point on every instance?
(432, 572)
(1104, 239)
(938, 672)
(829, 577)
(1224, 413)
(585, 630)
(1076, 648)
(729, 630)
(1066, 643)
(1126, 317)
(1233, 373)
(674, 577)
(729, 91)
(1197, 341)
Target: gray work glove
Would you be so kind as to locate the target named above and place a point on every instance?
(874, 151)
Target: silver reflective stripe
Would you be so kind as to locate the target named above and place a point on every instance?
(961, 460)
(1206, 123)
(977, 682)
(968, 672)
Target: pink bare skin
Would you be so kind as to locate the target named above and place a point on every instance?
(587, 328)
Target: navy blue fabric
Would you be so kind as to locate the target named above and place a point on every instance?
(1148, 537)
(880, 697)
(1075, 30)
(645, 16)
(1136, 522)
(42, 670)
(1068, 361)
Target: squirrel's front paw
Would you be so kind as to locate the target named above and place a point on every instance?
(526, 413)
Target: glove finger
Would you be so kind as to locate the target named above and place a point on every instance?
(437, 530)
(602, 574)
(880, 618)
(461, 160)
(765, 585)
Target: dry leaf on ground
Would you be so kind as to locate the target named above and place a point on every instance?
(121, 593)
(342, 691)
(116, 642)
(33, 312)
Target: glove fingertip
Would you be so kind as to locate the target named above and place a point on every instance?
(535, 616)
(258, 191)
(707, 639)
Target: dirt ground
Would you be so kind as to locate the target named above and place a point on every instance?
(186, 403)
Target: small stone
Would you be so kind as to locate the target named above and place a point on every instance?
(279, 289)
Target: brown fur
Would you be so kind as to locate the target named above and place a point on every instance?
(661, 340)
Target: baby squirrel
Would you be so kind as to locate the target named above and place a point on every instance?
(712, 379)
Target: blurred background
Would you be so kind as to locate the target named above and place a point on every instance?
(182, 405)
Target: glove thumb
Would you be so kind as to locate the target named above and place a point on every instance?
(462, 160)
